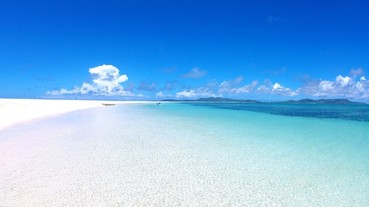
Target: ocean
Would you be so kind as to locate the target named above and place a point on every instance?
(190, 154)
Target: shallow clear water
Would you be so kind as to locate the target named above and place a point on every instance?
(190, 155)
(320, 151)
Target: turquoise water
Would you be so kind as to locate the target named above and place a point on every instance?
(189, 155)
(321, 152)
(356, 112)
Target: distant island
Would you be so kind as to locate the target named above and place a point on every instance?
(322, 101)
(301, 101)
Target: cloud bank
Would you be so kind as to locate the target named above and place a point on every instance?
(355, 86)
(349, 87)
(106, 81)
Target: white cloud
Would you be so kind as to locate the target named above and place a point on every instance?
(160, 95)
(195, 93)
(243, 89)
(353, 87)
(263, 89)
(231, 86)
(347, 87)
(106, 81)
(186, 94)
(326, 86)
(278, 89)
(246, 88)
(343, 81)
(281, 90)
(195, 73)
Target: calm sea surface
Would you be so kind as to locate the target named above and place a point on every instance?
(356, 112)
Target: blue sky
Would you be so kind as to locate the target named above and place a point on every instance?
(267, 50)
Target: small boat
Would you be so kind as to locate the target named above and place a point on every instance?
(108, 104)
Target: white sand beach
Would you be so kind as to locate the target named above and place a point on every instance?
(14, 111)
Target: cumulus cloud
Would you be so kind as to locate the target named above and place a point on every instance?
(195, 73)
(277, 88)
(348, 87)
(106, 80)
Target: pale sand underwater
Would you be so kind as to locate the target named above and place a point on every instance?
(178, 155)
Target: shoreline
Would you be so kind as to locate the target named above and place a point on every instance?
(16, 111)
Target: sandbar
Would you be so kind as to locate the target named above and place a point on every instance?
(15, 111)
